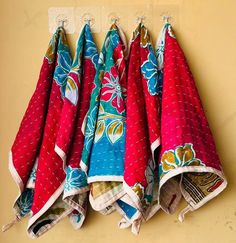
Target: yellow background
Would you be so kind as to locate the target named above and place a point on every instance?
(206, 30)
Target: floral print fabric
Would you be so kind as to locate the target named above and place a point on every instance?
(70, 137)
(103, 152)
(126, 135)
(143, 131)
(188, 154)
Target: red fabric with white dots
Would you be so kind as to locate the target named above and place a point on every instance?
(27, 143)
(50, 173)
(183, 119)
(143, 126)
(38, 132)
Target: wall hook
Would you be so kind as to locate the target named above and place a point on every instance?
(62, 20)
(140, 19)
(114, 20)
(166, 18)
(88, 19)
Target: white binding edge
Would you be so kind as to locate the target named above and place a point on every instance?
(104, 178)
(105, 200)
(15, 174)
(46, 206)
(83, 166)
(154, 146)
(135, 199)
(83, 126)
(61, 154)
(80, 209)
(75, 192)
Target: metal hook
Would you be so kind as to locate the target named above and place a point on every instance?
(114, 20)
(88, 21)
(62, 22)
(166, 18)
(140, 19)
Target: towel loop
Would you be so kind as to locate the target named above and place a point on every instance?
(13, 222)
(183, 212)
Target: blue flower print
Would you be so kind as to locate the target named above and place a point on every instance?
(75, 179)
(150, 72)
(90, 50)
(62, 69)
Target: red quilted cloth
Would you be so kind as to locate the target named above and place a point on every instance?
(187, 142)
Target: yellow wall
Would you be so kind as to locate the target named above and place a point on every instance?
(206, 30)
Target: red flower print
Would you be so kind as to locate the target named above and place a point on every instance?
(112, 90)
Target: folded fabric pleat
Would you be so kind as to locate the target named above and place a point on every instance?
(103, 153)
(189, 165)
(34, 165)
(143, 132)
(70, 137)
(130, 137)
(48, 207)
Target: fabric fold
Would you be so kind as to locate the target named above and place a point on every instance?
(126, 136)
(189, 165)
(33, 164)
(47, 207)
(103, 153)
(70, 137)
(143, 132)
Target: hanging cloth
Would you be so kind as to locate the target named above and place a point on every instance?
(142, 134)
(103, 154)
(70, 137)
(189, 165)
(48, 207)
(35, 167)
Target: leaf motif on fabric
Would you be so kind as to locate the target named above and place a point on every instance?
(115, 131)
(71, 91)
(24, 202)
(100, 128)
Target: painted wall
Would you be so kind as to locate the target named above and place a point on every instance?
(207, 32)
